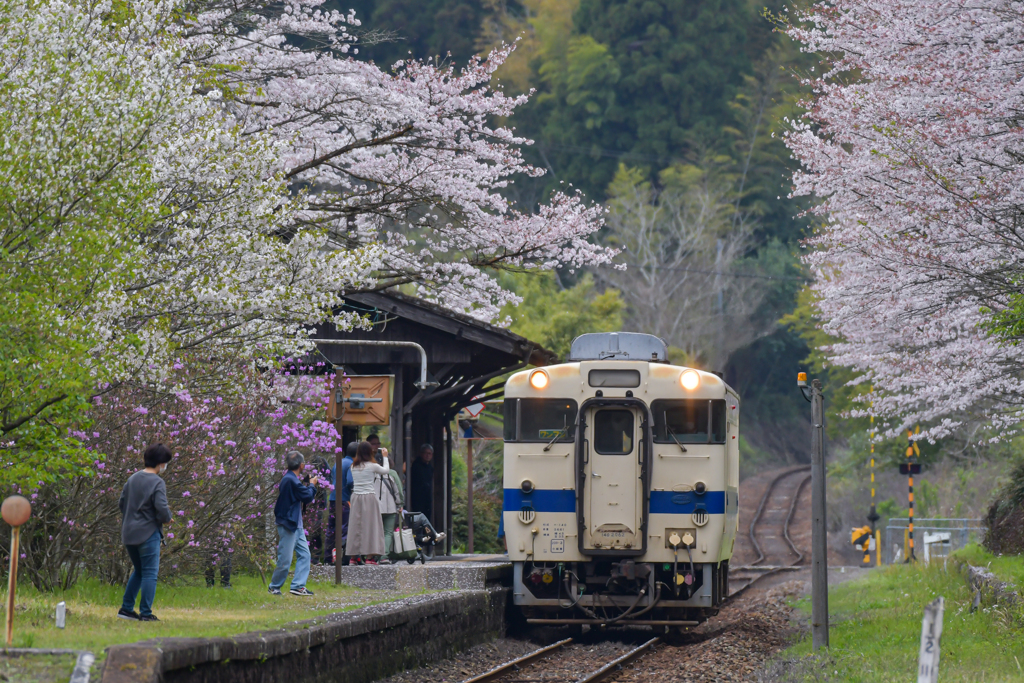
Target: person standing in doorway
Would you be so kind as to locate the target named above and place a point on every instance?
(422, 482)
(291, 538)
(365, 528)
(144, 511)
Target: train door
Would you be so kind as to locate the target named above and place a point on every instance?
(613, 493)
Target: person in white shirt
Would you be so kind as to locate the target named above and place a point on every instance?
(365, 528)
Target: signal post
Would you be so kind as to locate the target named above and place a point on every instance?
(819, 538)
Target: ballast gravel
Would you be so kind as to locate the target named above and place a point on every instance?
(737, 645)
(740, 643)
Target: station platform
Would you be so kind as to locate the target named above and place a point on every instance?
(462, 572)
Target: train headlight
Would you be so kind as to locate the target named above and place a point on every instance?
(539, 379)
(526, 486)
(700, 488)
(690, 379)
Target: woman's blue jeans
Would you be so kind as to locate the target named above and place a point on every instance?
(146, 560)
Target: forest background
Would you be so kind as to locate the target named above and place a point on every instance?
(671, 114)
(666, 112)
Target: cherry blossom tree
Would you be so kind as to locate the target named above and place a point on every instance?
(912, 144)
(206, 182)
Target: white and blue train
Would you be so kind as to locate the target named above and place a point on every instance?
(620, 486)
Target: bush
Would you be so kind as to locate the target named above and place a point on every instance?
(486, 517)
(1005, 519)
(221, 484)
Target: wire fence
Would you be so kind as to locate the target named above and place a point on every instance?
(933, 538)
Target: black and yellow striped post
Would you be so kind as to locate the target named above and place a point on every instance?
(873, 515)
(912, 451)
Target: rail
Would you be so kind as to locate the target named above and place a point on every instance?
(755, 567)
(600, 674)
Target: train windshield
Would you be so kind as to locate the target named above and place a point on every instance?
(689, 421)
(540, 419)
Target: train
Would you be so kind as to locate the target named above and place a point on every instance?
(621, 478)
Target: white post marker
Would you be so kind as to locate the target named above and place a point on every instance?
(61, 614)
(931, 634)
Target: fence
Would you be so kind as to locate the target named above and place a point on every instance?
(945, 536)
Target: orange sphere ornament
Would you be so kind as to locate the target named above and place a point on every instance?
(16, 510)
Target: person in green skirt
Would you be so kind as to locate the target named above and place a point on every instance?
(390, 497)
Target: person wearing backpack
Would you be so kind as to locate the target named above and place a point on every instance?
(388, 488)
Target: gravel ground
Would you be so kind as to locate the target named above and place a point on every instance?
(469, 663)
(738, 644)
(570, 664)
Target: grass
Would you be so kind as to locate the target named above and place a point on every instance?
(876, 630)
(37, 669)
(1005, 567)
(183, 610)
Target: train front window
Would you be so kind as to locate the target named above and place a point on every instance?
(689, 421)
(613, 432)
(547, 419)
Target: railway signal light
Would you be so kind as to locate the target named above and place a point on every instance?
(861, 538)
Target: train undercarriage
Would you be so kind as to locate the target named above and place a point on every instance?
(619, 591)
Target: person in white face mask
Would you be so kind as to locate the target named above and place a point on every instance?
(144, 509)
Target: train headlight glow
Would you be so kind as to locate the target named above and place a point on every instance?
(690, 379)
(539, 379)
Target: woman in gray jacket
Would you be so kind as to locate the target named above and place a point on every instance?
(144, 507)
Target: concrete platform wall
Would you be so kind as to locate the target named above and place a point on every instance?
(350, 647)
(433, 576)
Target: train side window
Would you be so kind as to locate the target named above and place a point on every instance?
(614, 431)
(510, 410)
(547, 420)
(689, 421)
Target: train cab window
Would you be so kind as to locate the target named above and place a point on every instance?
(614, 432)
(543, 420)
(689, 421)
(510, 410)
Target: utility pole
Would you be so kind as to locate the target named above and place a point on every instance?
(819, 539)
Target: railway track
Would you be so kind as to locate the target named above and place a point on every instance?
(530, 667)
(769, 531)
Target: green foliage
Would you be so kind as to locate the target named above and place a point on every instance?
(76, 187)
(553, 316)
(677, 67)
(486, 518)
(425, 28)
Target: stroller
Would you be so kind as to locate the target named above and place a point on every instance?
(421, 531)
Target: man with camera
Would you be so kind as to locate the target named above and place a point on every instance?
(292, 493)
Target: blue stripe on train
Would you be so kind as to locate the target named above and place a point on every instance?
(541, 500)
(662, 502)
(678, 503)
